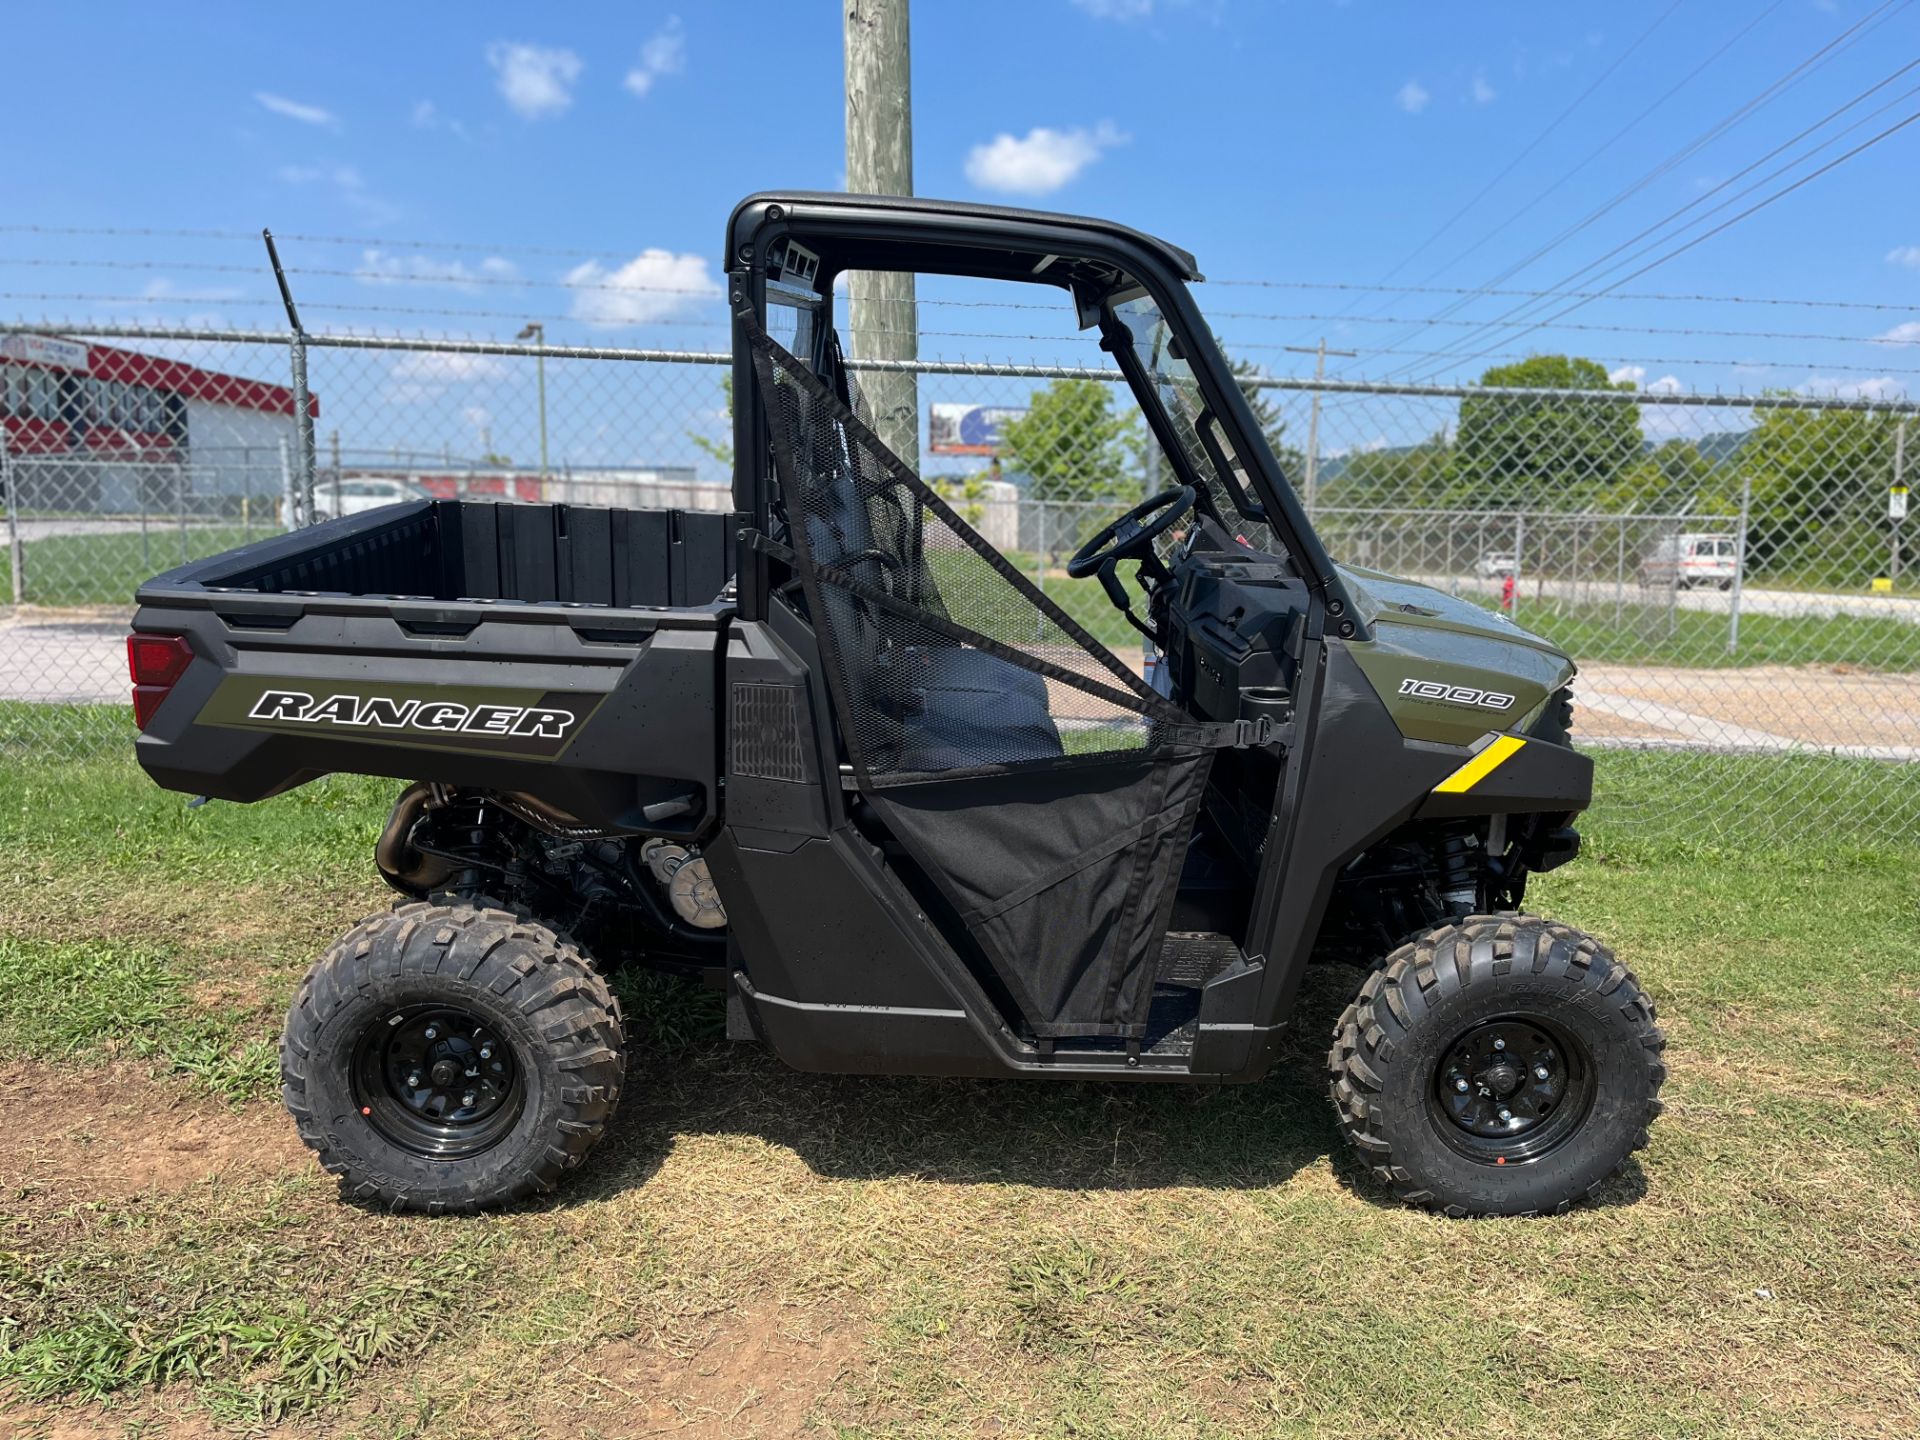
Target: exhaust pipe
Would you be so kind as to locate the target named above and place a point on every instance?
(403, 867)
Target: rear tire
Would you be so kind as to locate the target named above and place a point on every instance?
(446, 1057)
(1433, 1067)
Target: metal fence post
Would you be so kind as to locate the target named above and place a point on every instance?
(180, 509)
(1739, 564)
(1620, 574)
(303, 425)
(289, 499)
(1893, 525)
(16, 554)
(1519, 549)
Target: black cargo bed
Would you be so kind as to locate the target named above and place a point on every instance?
(566, 651)
(485, 550)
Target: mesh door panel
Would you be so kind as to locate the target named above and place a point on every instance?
(943, 657)
(1062, 854)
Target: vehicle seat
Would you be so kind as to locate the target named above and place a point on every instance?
(970, 709)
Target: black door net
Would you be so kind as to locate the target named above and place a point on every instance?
(1042, 785)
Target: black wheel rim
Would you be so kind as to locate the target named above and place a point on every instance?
(1511, 1090)
(437, 1081)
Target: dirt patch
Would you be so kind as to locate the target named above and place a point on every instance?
(72, 1133)
(761, 1371)
(1812, 705)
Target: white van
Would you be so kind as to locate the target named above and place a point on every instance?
(356, 496)
(1681, 562)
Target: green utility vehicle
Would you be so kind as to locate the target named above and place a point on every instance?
(837, 755)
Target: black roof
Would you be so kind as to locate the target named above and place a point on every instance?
(1181, 260)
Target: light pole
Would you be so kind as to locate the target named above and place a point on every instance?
(537, 333)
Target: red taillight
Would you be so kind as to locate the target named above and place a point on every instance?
(155, 662)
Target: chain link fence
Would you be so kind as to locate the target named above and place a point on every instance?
(1728, 571)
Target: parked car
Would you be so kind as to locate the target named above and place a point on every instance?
(1497, 565)
(356, 496)
(1681, 562)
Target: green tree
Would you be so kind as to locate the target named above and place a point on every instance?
(1073, 445)
(1674, 478)
(1531, 450)
(1819, 492)
(1405, 477)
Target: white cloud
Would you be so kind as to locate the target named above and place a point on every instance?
(1412, 97)
(428, 375)
(1040, 163)
(1365, 447)
(294, 110)
(429, 116)
(163, 291)
(1483, 93)
(1907, 255)
(377, 267)
(1666, 385)
(664, 54)
(536, 82)
(348, 188)
(654, 285)
(436, 367)
(1881, 387)
(1906, 333)
(1628, 375)
(1116, 9)
(341, 177)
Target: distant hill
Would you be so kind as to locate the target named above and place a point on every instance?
(1719, 447)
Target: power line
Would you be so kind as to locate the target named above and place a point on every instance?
(1536, 142)
(1544, 294)
(1794, 76)
(1519, 312)
(1736, 219)
(1600, 149)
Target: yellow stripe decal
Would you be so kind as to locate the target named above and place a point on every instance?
(1503, 749)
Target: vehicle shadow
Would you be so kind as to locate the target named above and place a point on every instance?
(1052, 1135)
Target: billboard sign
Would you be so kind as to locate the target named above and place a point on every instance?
(968, 429)
(45, 350)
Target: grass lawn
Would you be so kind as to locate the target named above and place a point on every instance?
(1653, 634)
(107, 569)
(1644, 631)
(754, 1251)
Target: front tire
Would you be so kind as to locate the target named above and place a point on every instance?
(448, 1057)
(1497, 1065)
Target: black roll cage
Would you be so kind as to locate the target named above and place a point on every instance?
(860, 232)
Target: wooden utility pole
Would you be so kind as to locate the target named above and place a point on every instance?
(880, 162)
(1309, 496)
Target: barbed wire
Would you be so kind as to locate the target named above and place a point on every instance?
(1660, 297)
(1291, 317)
(364, 275)
(252, 237)
(368, 276)
(346, 338)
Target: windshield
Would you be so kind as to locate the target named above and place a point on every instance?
(1203, 441)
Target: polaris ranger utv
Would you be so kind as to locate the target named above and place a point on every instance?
(837, 754)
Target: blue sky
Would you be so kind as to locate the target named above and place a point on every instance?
(1306, 142)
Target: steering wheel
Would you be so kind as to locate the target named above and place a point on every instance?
(1131, 537)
